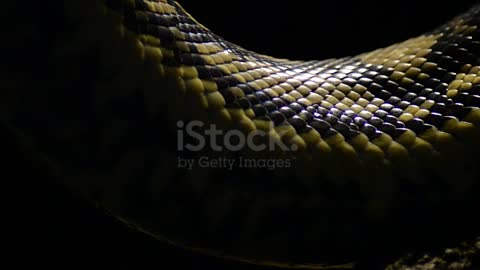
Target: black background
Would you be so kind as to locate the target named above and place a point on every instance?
(52, 229)
(305, 29)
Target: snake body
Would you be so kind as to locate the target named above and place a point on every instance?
(372, 141)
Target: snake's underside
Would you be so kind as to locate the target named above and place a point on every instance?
(368, 150)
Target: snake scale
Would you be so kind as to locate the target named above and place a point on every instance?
(365, 149)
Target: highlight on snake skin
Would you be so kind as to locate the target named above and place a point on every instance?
(211, 147)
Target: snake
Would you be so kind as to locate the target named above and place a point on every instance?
(203, 144)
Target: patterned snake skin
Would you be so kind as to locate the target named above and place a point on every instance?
(374, 146)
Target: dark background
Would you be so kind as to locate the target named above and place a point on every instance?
(51, 228)
(305, 29)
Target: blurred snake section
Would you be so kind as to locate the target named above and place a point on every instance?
(381, 147)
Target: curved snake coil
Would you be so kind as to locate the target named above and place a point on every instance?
(370, 143)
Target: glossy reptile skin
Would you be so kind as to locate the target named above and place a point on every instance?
(374, 141)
